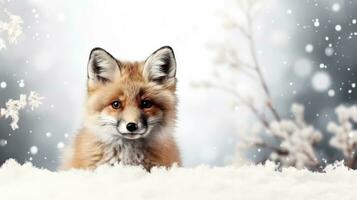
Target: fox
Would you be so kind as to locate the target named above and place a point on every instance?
(130, 113)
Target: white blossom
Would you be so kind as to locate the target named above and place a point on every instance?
(344, 136)
(297, 140)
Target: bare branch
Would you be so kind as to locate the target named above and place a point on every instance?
(273, 148)
(258, 68)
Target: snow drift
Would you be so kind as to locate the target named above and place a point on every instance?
(120, 182)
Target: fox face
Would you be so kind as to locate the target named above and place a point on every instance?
(130, 100)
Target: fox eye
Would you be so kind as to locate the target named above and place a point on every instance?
(146, 103)
(116, 104)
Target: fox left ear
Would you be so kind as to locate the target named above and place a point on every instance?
(102, 67)
(161, 65)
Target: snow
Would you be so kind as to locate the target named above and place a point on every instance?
(322, 66)
(336, 7)
(60, 145)
(302, 67)
(48, 134)
(3, 84)
(21, 83)
(309, 48)
(331, 93)
(245, 182)
(34, 150)
(329, 51)
(321, 81)
(316, 22)
(3, 142)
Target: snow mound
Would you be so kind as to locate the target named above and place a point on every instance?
(203, 182)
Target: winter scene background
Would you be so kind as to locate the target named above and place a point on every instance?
(267, 96)
(258, 79)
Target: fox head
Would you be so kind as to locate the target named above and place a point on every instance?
(130, 100)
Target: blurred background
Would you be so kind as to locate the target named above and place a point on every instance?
(305, 48)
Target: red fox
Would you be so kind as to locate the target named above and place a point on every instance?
(130, 113)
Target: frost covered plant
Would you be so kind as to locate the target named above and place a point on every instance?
(295, 137)
(10, 27)
(12, 107)
(344, 136)
(297, 140)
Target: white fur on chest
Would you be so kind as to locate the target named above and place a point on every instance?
(124, 152)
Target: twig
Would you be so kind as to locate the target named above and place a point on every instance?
(254, 110)
(258, 68)
(351, 163)
(273, 148)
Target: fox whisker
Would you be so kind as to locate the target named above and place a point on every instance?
(108, 124)
(154, 122)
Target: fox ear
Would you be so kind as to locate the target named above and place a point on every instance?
(102, 66)
(161, 65)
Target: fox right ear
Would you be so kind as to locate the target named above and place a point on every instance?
(102, 66)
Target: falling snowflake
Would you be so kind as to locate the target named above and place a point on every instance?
(309, 48)
(336, 7)
(3, 142)
(60, 145)
(329, 51)
(3, 84)
(321, 81)
(331, 93)
(34, 150)
(316, 23)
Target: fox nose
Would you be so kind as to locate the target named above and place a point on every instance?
(132, 127)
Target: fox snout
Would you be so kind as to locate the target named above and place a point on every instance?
(132, 122)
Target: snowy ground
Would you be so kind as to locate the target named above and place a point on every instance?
(247, 182)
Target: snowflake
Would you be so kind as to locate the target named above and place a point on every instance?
(11, 27)
(14, 29)
(12, 110)
(34, 100)
(13, 107)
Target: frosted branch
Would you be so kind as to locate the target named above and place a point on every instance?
(13, 107)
